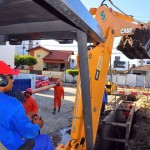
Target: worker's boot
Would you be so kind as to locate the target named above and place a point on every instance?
(58, 109)
(54, 111)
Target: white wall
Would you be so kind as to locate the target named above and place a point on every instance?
(131, 80)
(144, 61)
(7, 53)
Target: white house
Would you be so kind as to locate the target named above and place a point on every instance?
(142, 62)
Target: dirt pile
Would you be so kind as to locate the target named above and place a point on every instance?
(136, 46)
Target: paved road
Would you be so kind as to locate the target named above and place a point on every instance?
(59, 120)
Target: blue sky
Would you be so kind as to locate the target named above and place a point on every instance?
(140, 9)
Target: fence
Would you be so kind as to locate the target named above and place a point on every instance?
(130, 80)
(127, 90)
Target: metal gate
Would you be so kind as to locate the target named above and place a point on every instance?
(20, 85)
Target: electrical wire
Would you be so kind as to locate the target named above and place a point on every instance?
(121, 11)
(118, 8)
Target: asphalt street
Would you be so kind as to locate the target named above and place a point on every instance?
(53, 123)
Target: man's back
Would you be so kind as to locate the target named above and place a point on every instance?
(8, 132)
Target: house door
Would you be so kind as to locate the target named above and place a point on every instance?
(62, 67)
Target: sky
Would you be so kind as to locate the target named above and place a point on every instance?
(140, 9)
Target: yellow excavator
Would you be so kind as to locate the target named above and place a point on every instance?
(113, 24)
(67, 20)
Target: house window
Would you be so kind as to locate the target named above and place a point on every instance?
(117, 58)
(38, 55)
(148, 62)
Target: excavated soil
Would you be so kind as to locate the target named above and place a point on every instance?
(140, 133)
(136, 46)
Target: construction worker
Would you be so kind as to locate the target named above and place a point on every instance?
(16, 129)
(30, 104)
(105, 100)
(58, 95)
(50, 76)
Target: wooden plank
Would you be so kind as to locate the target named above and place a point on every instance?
(115, 140)
(116, 124)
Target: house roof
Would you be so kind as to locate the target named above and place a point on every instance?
(58, 55)
(55, 55)
(142, 68)
(37, 48)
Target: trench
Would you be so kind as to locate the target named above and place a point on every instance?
(115, 126)
(62, 136)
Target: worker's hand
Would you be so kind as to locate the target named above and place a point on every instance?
(30, 115)
(39, 121)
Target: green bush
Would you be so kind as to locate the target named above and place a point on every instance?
(24, 60)
(72, 72)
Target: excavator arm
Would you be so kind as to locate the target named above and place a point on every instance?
(113, 24)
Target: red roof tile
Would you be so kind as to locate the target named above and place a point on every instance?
(58, 55)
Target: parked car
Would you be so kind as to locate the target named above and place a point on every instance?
(42, 81)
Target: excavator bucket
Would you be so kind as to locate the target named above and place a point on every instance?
(136, 46)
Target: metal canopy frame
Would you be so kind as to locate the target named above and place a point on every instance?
(46, 19)
(54, 19)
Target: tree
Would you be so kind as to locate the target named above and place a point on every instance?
(72, 72)
(21, 60)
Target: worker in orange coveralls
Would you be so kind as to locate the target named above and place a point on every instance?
(58, 95)
(30, 105)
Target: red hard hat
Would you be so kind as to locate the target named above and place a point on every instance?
(29, 90)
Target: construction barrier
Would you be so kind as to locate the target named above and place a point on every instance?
(121, 90)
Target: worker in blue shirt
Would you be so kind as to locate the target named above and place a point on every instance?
(15, 127)
(105, 100)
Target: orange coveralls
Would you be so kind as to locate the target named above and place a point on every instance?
(30, 105)
(58, 94)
